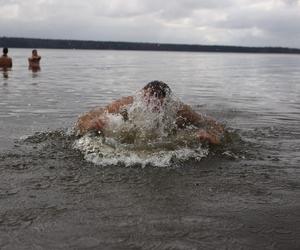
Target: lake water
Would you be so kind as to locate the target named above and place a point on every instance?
(244, 194)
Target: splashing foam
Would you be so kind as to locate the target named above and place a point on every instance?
(148, 136)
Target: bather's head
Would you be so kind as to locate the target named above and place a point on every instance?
(155, 93)
(157, 89)
(5, 51)
(34, 52)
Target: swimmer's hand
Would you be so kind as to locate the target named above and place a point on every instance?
(208, 136)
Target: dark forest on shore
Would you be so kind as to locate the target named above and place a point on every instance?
(13, 42)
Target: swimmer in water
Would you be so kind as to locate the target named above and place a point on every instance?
(5, 60)
(34, 61)
(154, 93)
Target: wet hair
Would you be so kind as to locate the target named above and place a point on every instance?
(158, 89)
(5, 51)
(34, 50)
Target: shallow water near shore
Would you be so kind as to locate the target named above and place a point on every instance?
(243, 194)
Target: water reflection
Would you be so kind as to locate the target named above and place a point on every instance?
(5, 72)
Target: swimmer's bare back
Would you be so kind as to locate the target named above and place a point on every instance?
(5, 62)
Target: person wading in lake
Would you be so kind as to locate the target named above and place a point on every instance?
(34, 61)
(208, 129)
(5, 60)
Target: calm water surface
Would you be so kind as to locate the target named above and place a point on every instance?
(243, 195)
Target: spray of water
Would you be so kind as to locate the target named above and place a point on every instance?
(145, 133)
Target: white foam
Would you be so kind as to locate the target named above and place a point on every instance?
(108, 151)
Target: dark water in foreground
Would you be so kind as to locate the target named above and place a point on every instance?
(242, 195)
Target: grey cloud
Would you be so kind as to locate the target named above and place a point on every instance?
(6, 2)
(184, 8)
(292, 2)
(236, 22)
(284, 21)
(162, 9)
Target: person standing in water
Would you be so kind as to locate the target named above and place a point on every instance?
(154, 94)
(34, 61)
(5, 60)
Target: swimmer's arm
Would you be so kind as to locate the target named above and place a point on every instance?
(34, 58)
(209, 136)
(10, 63)
(116, 106)
(209, 129)
(91, 121)
(186, 117)
(95, 120)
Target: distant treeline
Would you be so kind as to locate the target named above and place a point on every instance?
(12, 42)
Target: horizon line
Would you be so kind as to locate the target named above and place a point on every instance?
(154, 43)
(51, 43)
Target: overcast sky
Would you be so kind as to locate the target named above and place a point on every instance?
(220, 22)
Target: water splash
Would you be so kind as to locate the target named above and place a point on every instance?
(145, 133)
(108, 151)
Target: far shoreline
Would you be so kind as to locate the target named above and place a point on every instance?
(17, 42)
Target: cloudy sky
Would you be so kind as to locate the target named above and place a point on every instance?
(221, 22)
